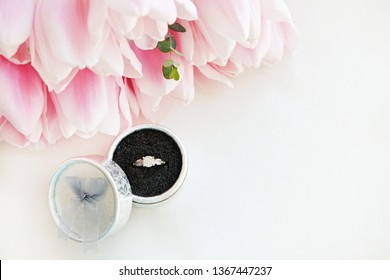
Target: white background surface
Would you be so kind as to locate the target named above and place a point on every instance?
(291, 164)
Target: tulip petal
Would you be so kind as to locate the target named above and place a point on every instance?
(22, 55)
(128, 102)
(185, 90)
(154, 108)
(15, 24)
(124, 104)
(122, 23)
(21, 95)
(254, 57)
(66, 127)
(83, 103)
(111, 60)
(36, 133)
(132, 66)
(208, 45)
(131, 8)
(207, 71)
(145, 42)
(163, 11)
(66, 25)
(233, 18)
(53, 72)
(152, 82)
(111, 122)
(185, 41)
(275, 10)
(155, 29)
(68, 35)
(186, 10)
(51, 127)
(11, 135)
(275, 51)
(152, 32)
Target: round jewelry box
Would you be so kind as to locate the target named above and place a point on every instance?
(91, 197)
(153, 159)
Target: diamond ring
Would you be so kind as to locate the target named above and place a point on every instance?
(148, 161)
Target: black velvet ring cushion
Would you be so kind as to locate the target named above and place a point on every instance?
(155, 180)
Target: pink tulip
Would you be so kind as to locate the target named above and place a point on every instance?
(33, 115)
(246, 33)
(70, 67)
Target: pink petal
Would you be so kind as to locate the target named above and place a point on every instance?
(21, 95)
(275, 10)
(124, 105)
(202, 50)
(233, 20)
(255, 24)
(153, 82)
(154, 108)
(155, 29)
(138, 31)
(131, 96)
(16, 19)
(207, 72)
(185, 41)
(275, 51)
(111, 60)
(83, 104)
(131, 8)
(163, 11)
(149, 33)
(208, 45)
(185, 91)
(66, 127)
(111, 123)
(254, 57)
(128, 102)
(36, 133)
(132, 66)
(22, 55)
(66, 25)
(97, 26)
(122, 23)
(51, 127)
(145, 42)
(186, 10)
(231, 69)
(11, 135)
(68, 35)
(53, 72)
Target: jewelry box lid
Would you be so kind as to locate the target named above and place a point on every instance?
(89, 197)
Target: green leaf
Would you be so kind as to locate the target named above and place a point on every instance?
(170, 72)
(164, 46)
(177, 27)
(175, 64)
(167, 72)
(175, 74)
(172, 42)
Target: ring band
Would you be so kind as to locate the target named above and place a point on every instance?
(148, 161)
